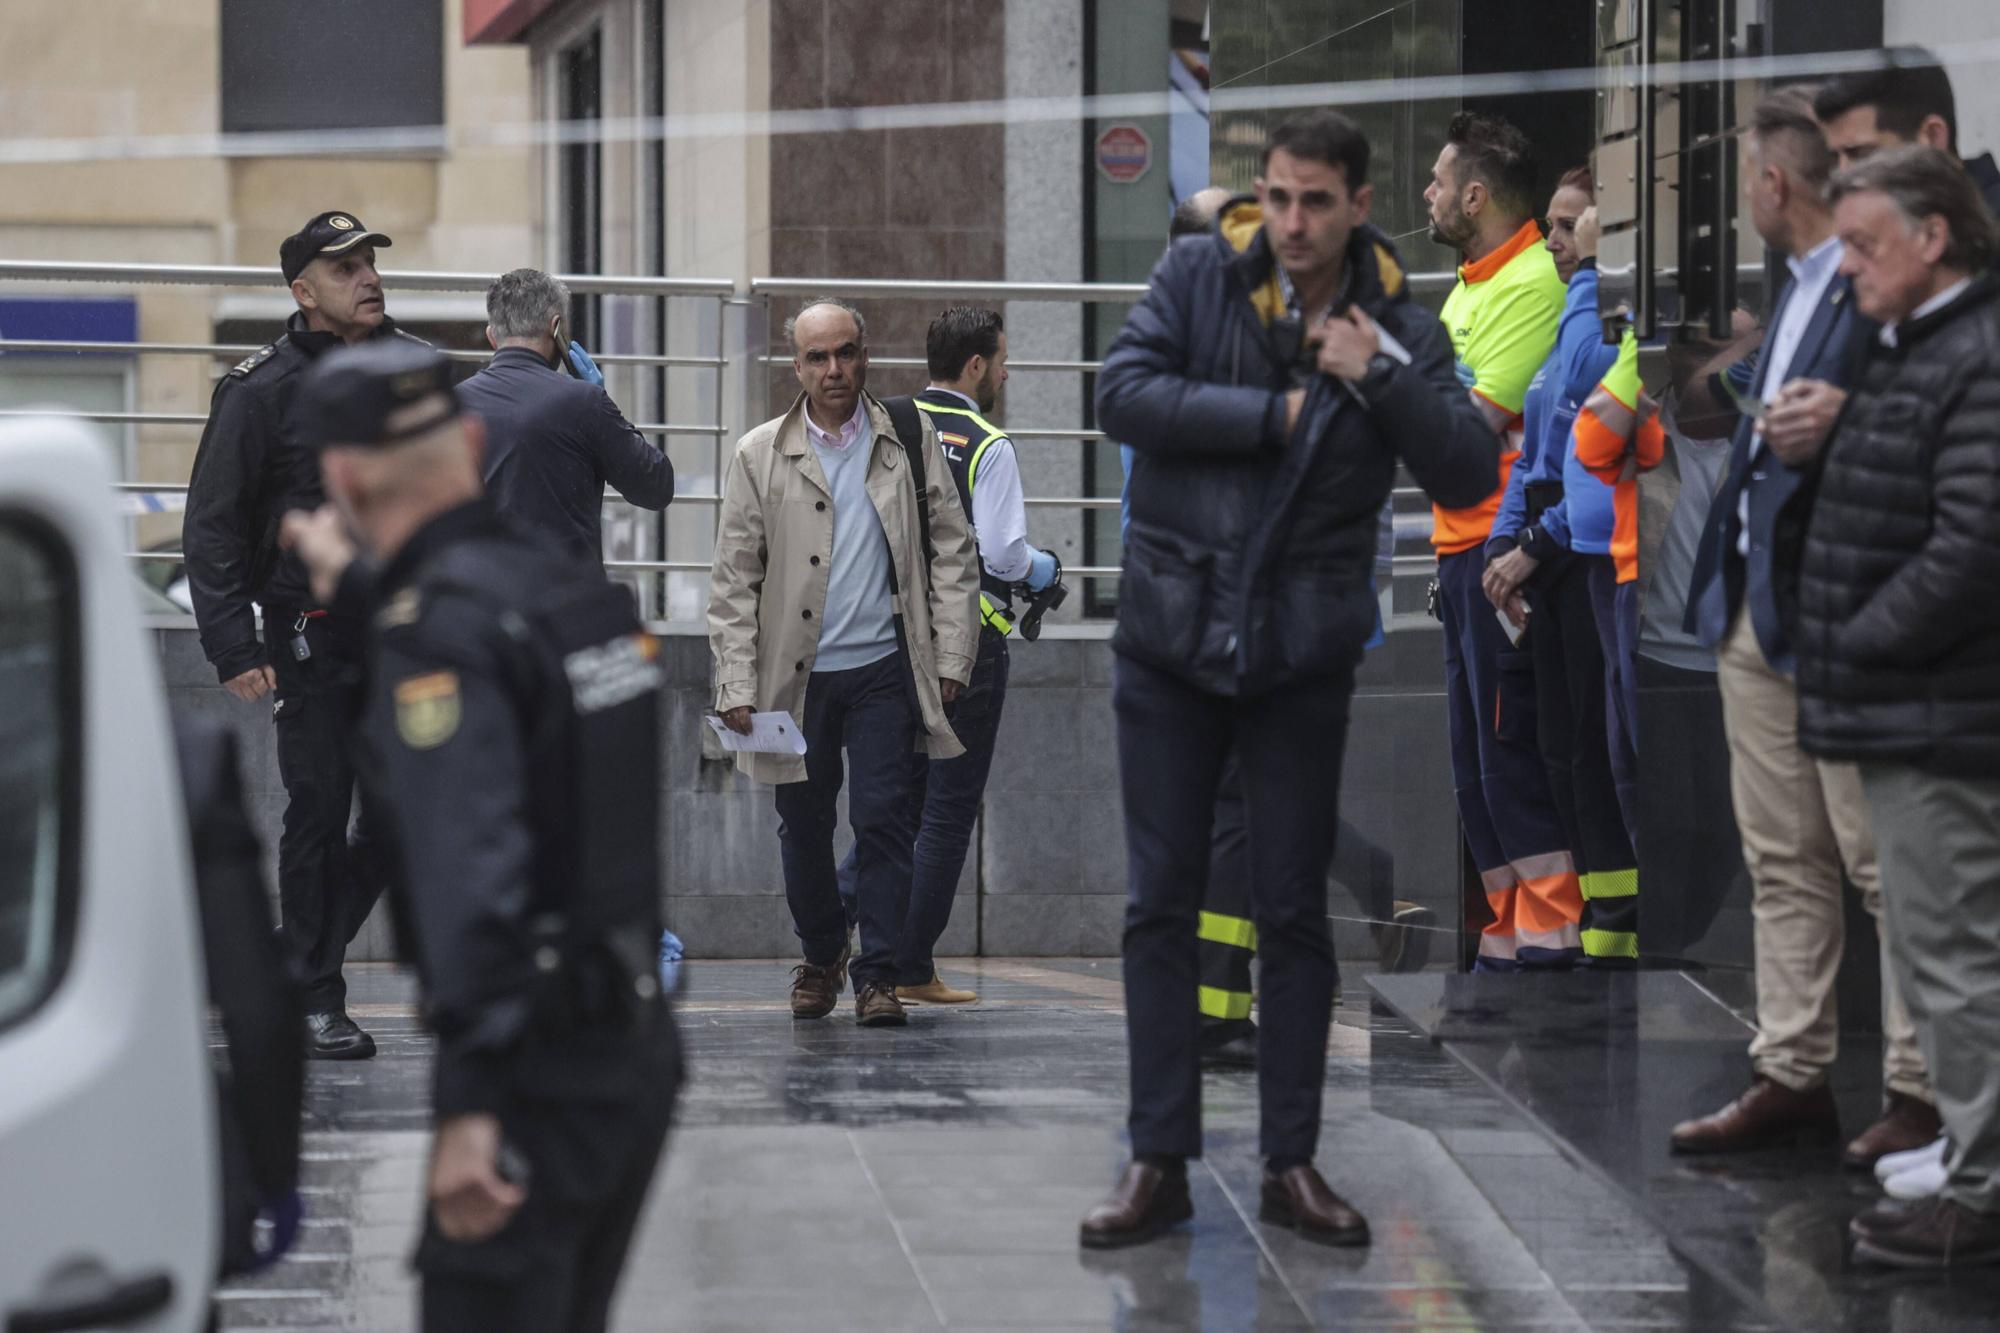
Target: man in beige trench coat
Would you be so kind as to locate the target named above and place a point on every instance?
(823, 605)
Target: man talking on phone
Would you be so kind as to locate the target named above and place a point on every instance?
(554, 438)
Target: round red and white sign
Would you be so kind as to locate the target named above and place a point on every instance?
(1123, 153)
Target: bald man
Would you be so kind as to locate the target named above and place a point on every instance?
(844, 595)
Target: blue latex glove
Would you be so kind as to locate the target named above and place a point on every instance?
(586, 369)
(1466, 375)
(1041, 570)
(670, 962)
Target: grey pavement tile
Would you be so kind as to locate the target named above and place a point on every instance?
(1036, 1219)
(759, 1308)
(826, 1177)
(922, 1140)
(1497, 1143)
(999, 1170)
(1433, 1306)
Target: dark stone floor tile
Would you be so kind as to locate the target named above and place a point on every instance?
(1606, 1065)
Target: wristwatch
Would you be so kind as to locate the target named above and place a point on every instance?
(1379, 367)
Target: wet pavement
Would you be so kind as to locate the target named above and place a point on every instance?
(1606, 1066)
(828, 1177)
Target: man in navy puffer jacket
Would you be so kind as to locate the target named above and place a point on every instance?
(1269, 381)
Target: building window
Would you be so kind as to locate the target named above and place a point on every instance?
(38, 762)
(360, 64)
(580, 92)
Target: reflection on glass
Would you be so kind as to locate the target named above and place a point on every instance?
(30, 754)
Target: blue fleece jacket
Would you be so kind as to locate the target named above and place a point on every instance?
(1582, 521)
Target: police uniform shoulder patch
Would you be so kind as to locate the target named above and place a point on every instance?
(402, 609)
(427, 710)
(254, 360)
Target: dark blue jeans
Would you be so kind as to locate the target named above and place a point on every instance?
(945, 796)
(870, 712)
(1173, 741)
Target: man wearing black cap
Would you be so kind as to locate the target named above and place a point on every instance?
(509, 753)
(247, 473)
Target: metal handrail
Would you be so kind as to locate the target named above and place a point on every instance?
(867, 289)
(223, 351)
(1409, 562)
(201, 419)
(758, 291)
(247, 275)
(1053, 501)
(1046, 501)
(619, 284)
(919, 363)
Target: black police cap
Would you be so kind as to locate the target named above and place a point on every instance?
(352, 393)
(332, 233)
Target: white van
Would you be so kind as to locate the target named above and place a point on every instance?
(109, 1202)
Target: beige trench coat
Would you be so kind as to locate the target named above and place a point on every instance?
(773, 552)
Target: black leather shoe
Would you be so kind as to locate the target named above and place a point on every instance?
(1232, 1047)
(335, 1036)
(1299, 1198)
(1146, 1202)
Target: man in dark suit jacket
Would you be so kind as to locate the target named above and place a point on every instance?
(1802, 821)
(553, 436)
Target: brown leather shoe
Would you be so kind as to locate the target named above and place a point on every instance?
(1936, 1233)
(1907, 1122)
(1300, 1199)
(935, 991)
(1766, 1115)
(815, 990)
(1146, 1202)
(877, 1007)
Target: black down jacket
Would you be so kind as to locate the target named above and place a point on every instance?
(1899, 597)
(1248, 555)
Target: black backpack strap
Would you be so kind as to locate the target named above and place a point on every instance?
(902, 411)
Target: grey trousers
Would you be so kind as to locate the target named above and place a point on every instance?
(1938, 840)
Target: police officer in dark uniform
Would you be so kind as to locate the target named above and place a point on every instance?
(247, 473)
(553, 435)
(509, 752)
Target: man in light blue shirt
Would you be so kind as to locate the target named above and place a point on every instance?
(831, 601)
(859, 628)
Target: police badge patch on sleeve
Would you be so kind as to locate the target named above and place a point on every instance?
(427, 709)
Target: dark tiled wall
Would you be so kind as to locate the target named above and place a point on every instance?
(914, 204)
(1046, 875)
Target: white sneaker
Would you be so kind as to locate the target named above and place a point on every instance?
(1919, 1182)
(1896, 1163)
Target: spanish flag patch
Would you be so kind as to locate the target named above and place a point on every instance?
(427, 709)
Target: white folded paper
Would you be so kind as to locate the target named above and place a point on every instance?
(770, 733)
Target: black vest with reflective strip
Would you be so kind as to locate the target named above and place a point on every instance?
(965, 436)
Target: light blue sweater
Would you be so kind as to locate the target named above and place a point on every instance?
(859, 626)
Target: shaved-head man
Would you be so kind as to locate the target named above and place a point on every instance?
(841, 608)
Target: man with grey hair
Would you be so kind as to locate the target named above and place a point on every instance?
(843, 595)
(1802, 822)
(554, 437)
(1899, 650)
